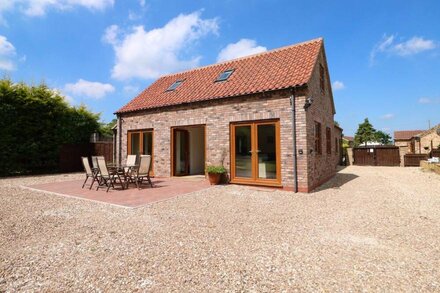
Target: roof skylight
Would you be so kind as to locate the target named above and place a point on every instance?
(225, 75)
(175, 85)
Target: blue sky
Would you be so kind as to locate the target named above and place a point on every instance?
(383, 56)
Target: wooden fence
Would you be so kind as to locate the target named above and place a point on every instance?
(435, 153)
(70, 154)
(376, 156)
(413, 160)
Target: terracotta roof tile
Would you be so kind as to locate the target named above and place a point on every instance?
(406, 134)
(277, 69)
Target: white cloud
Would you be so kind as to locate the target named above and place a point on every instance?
(338, 85)
(40, 7)
(95, 90)
(429, 101)
(387, 116)
(243, 47)
(111, 34)
(131, 89)
(7, 54)
(412, 46)
(150, 54)
(425, 101)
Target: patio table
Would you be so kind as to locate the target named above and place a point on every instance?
(121, 168)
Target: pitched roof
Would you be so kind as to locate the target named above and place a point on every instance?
(406, 134)
(349, 138)
(277, 69)
(426, 132)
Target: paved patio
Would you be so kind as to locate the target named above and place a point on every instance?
(164, 188)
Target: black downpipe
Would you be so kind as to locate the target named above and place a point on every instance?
(295, 157)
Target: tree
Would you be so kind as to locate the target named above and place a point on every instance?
(35, 122)
(382, 137)
(106, 129)
(365, 133)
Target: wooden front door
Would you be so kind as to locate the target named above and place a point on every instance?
(255, 153)
(180, 152)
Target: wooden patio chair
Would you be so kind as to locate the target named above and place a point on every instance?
(142, 172)
(89, 172)
(107, 178)
(95, 170)
(131, 161)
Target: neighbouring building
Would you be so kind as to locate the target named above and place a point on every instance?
(348, 140)
(405, 140)
(428, 140)
(247, 114)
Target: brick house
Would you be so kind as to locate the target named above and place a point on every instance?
(239, 114)
(405, 140)
(428, 140)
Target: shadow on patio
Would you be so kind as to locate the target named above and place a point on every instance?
(164, 188)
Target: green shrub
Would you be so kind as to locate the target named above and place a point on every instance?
(215, 169)
(34, 122)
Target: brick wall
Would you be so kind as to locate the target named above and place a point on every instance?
(217, 115)
(320, 167)
(429, 139)
(404, 148)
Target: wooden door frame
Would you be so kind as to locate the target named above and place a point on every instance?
(141, 144)
(254, 180)
(172, 144)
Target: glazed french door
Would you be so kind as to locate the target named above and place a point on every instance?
(255, 153)
(181, 152)
(140, 142)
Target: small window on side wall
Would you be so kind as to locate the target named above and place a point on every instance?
(322, 78)
(318, 139)
(328, 138)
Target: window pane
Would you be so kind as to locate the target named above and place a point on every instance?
(135, 143)
(267, 163)
(147, 143)
(243, 154)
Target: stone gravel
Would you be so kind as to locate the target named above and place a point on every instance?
(368, 229)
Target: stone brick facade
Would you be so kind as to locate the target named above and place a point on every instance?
(428, 140)
(217, 115)
(425, 142)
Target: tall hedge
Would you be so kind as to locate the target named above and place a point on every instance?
(34, 122)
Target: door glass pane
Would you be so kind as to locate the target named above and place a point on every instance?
(243, 154)
(147, 143)
(181, 142)
(135, 143)
(267, 163)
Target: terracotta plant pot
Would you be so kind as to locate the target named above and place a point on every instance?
(214, 178)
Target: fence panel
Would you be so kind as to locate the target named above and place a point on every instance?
(435, 153)
(70, 154)
(413, 160)
(376, 156)
(363, 157)
(387, 156)
(103, 149)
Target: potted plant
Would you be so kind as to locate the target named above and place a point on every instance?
(215, 174)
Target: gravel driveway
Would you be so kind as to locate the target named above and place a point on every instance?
(370, 228)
